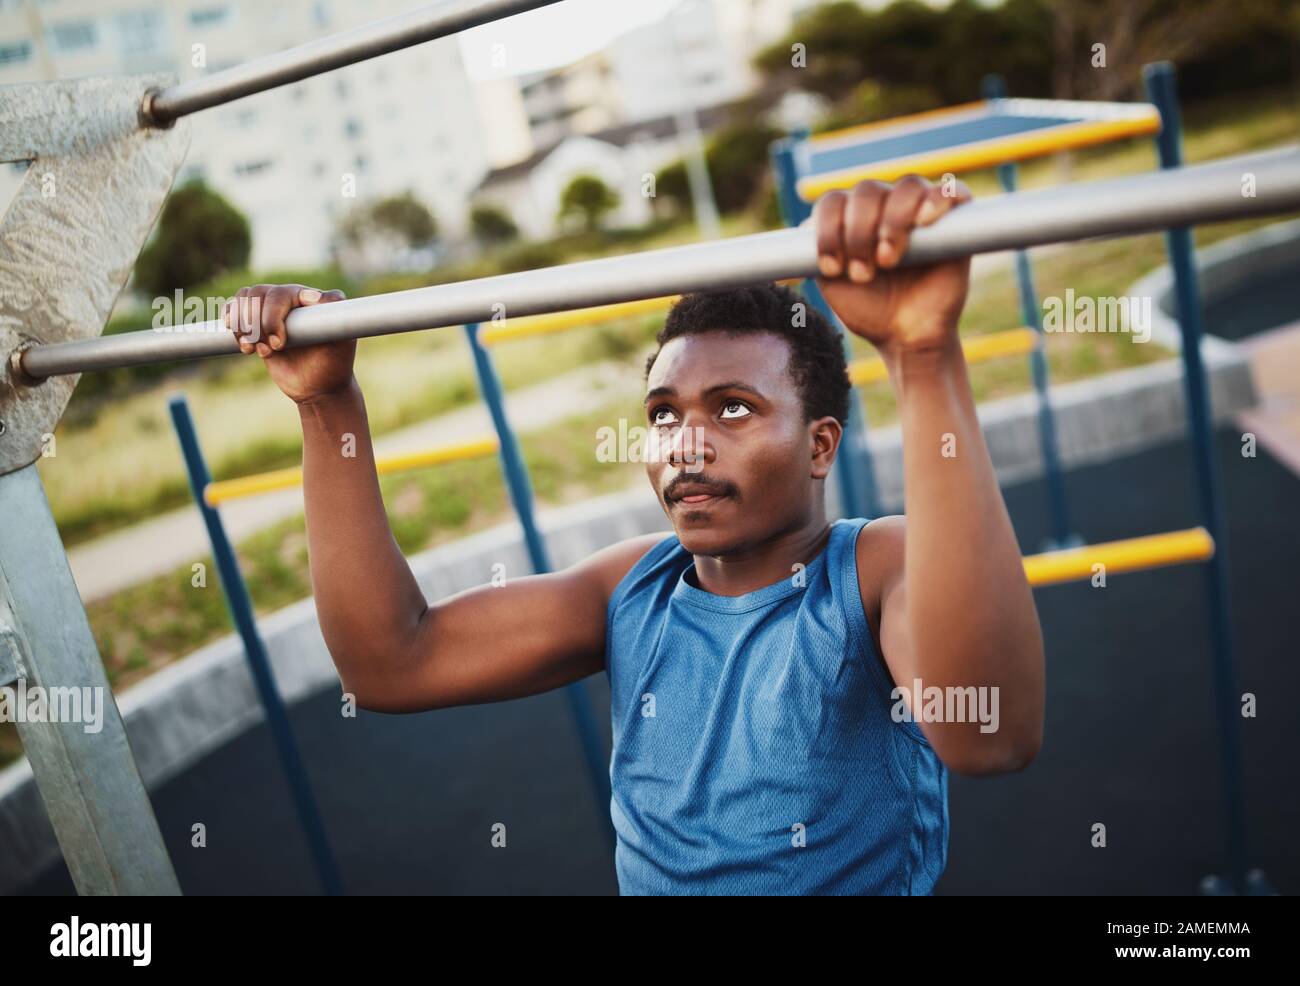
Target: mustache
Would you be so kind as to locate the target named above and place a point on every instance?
(687, 479)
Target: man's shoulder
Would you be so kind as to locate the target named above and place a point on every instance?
(610, 565)
(879, 557)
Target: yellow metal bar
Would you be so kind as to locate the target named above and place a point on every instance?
(282, 479)
(977, 349)
(985, 154)
(1132, 555)
(534, 325)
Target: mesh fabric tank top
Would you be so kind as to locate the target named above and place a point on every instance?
(754, 750)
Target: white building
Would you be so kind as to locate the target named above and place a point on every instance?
(623, 157)
(292, 159)
(696, 56)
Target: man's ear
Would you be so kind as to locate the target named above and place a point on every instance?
(825, 434)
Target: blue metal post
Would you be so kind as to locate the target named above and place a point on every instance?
(521, 495)
(1162, 90)
(241, 612)
(853, 468)
(993, 87)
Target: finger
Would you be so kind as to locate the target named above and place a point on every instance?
(828, 217)
(943, 197)
(276, 305)
(861, 219)
(250, 307)
(235, 320)
(899, 217)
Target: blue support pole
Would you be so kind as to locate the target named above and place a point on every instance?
(1162, 90)
(241, 612)
(994, 87)
(521, 495)
(854, 469)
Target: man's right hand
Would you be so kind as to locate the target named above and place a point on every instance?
(256, 316)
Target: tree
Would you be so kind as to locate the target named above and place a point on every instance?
(588, 199)
(402, 217)
(199, 236)
(491, 226)
(736, 157)
(1131, 33)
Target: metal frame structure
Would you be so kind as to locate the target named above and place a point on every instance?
(993, 132)
(1136, 204)
(119, 143)
(208, 496)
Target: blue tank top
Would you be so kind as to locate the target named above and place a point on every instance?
(754, 751)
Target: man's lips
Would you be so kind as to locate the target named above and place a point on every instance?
(695, 492)
(698, 497)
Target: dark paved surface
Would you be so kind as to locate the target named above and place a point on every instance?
(1130, 742)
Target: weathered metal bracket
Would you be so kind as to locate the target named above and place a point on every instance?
(96, 183)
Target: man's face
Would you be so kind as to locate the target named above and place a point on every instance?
(736, 462)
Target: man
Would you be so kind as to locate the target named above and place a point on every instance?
(770, 673)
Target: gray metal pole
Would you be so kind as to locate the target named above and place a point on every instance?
(1137, 204)
(80, 757)
(436, 20)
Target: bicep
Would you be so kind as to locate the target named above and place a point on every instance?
(884, 595)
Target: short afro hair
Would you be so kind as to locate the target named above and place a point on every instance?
(816, 349)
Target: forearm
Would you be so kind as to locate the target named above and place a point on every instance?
(367, 600)
(970, 612)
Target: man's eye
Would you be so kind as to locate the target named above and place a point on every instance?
(739, 406)
(657, 416)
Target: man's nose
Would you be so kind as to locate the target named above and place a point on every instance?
(689, 447)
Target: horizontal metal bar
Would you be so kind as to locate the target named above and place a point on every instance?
(225, 490)
(1131, 555)
(1119, 206)
(437, 20)
(977, 349)
(582, 318)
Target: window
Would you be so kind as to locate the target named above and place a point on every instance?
(209, 16)
(12, 52)
(73, 36)
(247, 169)
(352, 127)
(140, 31)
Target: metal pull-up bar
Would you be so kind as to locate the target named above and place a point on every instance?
(437, 20)
(1136, 204)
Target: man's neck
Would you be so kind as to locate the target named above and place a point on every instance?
(766, 563)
